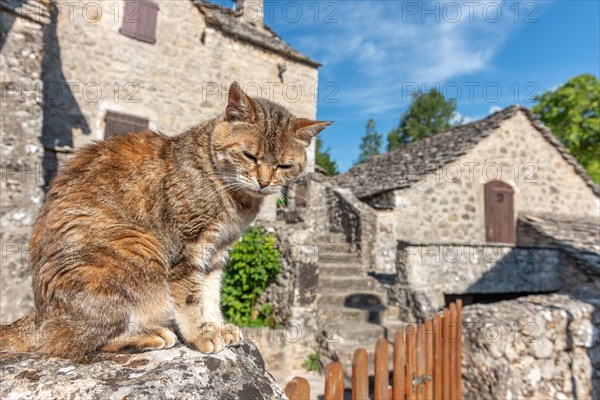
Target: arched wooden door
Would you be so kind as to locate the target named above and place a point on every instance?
(499, 213)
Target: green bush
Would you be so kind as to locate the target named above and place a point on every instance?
(312, 362)
(253, 264)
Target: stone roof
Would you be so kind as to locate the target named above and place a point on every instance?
(231, 23)
(402, 167)
(580, 238)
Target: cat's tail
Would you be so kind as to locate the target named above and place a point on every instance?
(57, 337)
(20, 336)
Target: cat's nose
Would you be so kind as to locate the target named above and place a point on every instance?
(263, 184)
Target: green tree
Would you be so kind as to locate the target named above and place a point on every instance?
(398, 138)
(428, 114)
(371, 143)
(572, 113)
(323, 159)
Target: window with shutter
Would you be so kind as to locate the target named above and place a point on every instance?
(120, 124)
(139, 20)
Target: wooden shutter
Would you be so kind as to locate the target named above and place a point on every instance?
(130, 19)
(499, 212)
(120, 124)
(139, 20)
(146, 31)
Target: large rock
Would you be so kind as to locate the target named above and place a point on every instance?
(177, 373)
(535, 347)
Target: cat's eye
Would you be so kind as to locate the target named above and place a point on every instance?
(285, 166)
(250, 156)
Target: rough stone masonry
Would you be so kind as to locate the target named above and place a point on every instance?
(177, 373)
(21, 152)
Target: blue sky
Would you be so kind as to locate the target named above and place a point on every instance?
(487, 54)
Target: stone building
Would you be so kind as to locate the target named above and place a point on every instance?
(454, 215)
(75, 72)
(470, 185)
(167, 69)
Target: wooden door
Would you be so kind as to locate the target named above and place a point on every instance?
(499, 213)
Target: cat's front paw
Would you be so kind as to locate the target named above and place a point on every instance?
(213, 337)
(208, 339)
(231, 334)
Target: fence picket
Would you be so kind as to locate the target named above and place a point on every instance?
(382, 374)
(360, 375)
(399, 379)
(453, 335)
(298, 389)
(437, 357)
(445, 355)
(420, 392)
(411, 340)
(334, 381)
(459, 349)
(427, 362)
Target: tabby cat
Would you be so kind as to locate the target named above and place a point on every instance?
(127, 250)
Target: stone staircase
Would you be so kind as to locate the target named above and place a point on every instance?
(352, 307)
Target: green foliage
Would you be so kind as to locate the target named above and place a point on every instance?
(572, 113)
(312, 363)
(428, 114)
(371, 143)
(253, 264)
(323, 159)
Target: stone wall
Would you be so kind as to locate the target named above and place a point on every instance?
(284, 350)
(298, 259)
(356, 221)
(448, 205)
(577, 238)
(536, 347)
(426, 273)
(21, 151)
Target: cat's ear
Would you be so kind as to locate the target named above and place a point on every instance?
(307, 129)
(239, 106)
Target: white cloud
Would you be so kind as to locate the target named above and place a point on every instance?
(463, 119)
(494, 108)
(385, 49)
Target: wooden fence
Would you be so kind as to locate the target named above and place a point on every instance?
(427, 361)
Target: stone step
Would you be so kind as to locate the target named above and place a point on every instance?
(352, 336)
(331, 237)
(347, 282)
(337, 258)
(336, 270)
(327, 246)
(345, 353)
(352, 298)
(353, 333)
(391, 326)
(379, 314)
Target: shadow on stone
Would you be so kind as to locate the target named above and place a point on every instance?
(62, 115)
